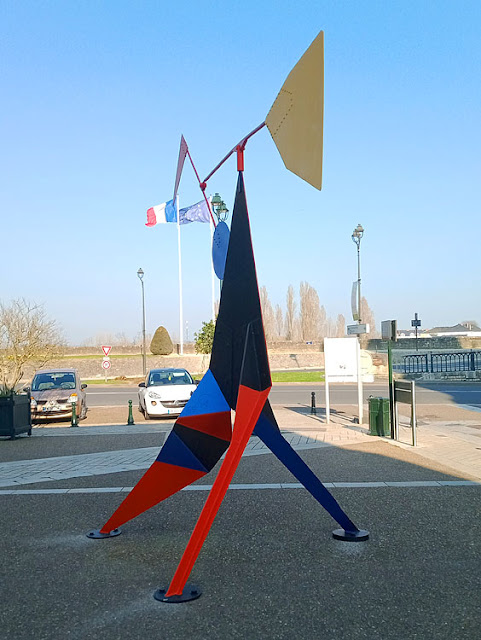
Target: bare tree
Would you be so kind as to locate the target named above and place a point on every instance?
(291, 308)
(330, 328)
(26, 336)
(279, 322)
(310, 312)
(103, 337)
(267, 314)
(340, 326)
(121, 340)
(367, 316)
(323, 323)
(296, 330)
(138, 339)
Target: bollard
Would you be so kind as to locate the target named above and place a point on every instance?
(130, 419)
(74, 422)
(313, 402)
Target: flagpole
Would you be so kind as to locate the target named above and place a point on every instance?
(181, 312)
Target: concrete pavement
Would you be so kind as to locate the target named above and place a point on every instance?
(269, 568)
(455, 445)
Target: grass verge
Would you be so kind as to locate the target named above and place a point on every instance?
(297, 376)
(277, 376)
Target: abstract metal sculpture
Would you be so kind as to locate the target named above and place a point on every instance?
(238, 377)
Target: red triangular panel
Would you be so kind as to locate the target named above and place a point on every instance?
(158, 483)
(213, 424)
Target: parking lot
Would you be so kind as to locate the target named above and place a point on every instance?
(269, 568)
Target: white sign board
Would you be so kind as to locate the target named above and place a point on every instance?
(340, 359)
(106, 349)
(105, 364)
(354, 301)
(357, 329)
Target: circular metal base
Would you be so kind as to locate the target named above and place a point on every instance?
(96, 534)
(190, 592)
(351, 536)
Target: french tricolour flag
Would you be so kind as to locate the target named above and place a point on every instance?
(161, 213)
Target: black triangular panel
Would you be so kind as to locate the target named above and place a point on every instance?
(240, 309)
(207, 449)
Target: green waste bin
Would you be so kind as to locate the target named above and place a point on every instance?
(379, 417)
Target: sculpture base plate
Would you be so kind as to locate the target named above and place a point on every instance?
(351, 536)
(190, 592)
(96, 534)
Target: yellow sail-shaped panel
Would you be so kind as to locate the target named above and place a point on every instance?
(295, 120)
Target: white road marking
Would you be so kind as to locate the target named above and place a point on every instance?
(256, 487)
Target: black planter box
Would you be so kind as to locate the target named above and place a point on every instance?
(15, 416)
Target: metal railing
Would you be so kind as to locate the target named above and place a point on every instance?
(442, 362)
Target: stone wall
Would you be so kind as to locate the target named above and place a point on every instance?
(428, 344)
(294, 347)
(90, 368)
(189, 349)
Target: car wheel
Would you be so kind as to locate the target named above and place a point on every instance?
(146, 415)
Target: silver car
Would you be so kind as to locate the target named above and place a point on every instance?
(53, 392)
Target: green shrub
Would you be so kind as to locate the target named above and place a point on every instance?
(161, 344)
(205, 338)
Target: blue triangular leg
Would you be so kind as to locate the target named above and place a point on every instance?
(267, 430)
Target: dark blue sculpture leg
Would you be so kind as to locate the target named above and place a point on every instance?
(271, 436)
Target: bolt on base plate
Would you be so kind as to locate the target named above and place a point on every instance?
(96, 534)
(190, 592)
(351, 536)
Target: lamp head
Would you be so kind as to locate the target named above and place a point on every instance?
(140, 273)
(222, 211)
(216, 200)
(219, 208)
(357, 234)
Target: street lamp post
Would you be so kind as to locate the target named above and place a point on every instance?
(140, 274)
(356, 237)
(221, 211)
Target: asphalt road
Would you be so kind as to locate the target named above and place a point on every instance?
(426, 393)
(269, 568)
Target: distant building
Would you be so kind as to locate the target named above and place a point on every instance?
(406, 333)
(411, 333)
(463, 329)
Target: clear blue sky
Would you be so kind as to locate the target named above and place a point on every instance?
(95, 96)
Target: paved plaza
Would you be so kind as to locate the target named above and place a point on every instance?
(270, 568)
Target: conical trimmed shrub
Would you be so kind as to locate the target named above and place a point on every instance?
(161, 344)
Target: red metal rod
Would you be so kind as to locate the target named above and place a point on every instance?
(248, 410)
(202, 185)
(241, 144)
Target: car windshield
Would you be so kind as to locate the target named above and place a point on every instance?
(157, 378)
(47, 381)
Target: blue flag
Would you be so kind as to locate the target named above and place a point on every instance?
(198, 212)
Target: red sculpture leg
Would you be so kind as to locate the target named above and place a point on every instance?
(248, 410)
